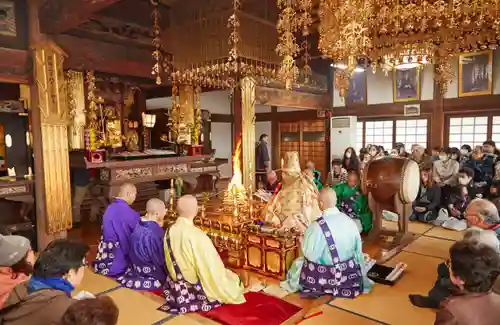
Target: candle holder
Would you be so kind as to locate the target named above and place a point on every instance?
(171, 210)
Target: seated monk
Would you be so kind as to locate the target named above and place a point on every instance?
(296, 203)
(118, 222)
(147, 258)
(333, 261)
(272, 183)
(197, 279)
(353, 202)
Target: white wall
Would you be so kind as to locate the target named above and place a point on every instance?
(379, 87)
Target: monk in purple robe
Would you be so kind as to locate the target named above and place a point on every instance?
(147, 255)
(118, 223)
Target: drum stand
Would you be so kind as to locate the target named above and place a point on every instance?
(401, 236)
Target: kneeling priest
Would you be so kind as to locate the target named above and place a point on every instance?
(197, 280)
(333, 262)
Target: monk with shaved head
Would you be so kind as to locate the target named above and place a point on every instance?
(118, 223)
(333, 262)
(197, 279)
(147, 259)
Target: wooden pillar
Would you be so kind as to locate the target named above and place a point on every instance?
(437, 123)
(140, 107)
(50, 135)
(275, 136)
(248, 85)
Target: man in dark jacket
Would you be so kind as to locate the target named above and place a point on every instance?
(44, 298)
(262, 160)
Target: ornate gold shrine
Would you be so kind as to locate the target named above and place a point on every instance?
(269, 253)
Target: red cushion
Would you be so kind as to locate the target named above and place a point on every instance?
(259, 309)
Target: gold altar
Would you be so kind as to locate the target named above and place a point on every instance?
(233, 220)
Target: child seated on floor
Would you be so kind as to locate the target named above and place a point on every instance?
(458, 200)
(426, 205)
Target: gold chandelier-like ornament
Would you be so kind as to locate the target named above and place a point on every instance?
(390, 32)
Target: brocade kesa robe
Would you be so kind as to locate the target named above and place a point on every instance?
(315, 248)
(295, 205)
(199, 261)
(147, 258)
(118, 223)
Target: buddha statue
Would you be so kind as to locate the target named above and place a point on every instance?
(296, 204)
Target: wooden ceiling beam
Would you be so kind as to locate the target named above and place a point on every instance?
(57, 16)
(116, 59)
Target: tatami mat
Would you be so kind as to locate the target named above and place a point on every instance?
(441, 232)
(190, 320)
(333, 315)
(430, 246)
(413, 226)
(136, 308)
(391, 304)
(95, 283)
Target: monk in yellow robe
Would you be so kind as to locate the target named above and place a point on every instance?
(296, 204)
(197, 280)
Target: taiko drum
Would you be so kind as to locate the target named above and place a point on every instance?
(389, 176)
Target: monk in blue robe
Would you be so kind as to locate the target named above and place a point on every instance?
(118, 222)
(147, 269)
(333, 262)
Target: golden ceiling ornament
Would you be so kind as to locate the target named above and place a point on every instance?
(289, 23)
(444, 74)
(161, 61)
(384, 30)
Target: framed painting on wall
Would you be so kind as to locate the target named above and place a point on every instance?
(356, 93)
(406, 84)
(475, 75)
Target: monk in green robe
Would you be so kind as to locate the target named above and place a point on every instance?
(354, 203)
(315, 174)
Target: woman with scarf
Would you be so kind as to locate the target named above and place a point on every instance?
(426, 205)
(47, 295)
(353, 202)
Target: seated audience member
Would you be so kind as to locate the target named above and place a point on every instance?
(272, 184)
(316, 175)
(332, 241)
(45, 297)
(364, 158)
(494, 195)
(444, 287)
(484, 215)
(435, 153)
(147, 258)
(350, 159)
(473, 269)
(455, 154)
(16, 263)
(198, 279)
(418, 155)
(99, 311)
(118, 222)
(373, 151)
(353, 202)
(337, 175)
(394, 152)
(381, 151)
(444, 173)
(465, 153)
(461, 195)
(483, 164)
(426, 205)
(401, 150)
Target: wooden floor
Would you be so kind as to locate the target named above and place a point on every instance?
(384, 305)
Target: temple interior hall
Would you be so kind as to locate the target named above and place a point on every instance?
(279, 162)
